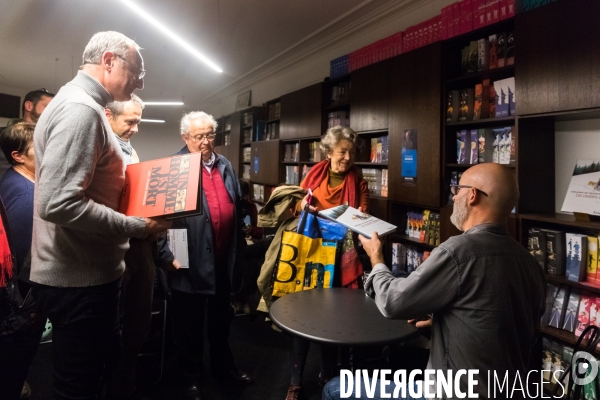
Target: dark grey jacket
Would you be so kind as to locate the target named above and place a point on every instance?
(486, 293)
(200, 277)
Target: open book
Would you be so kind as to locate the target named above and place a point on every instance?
(357, 221)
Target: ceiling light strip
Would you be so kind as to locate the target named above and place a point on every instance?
(170, 34)
(163, 103)
(158, 121)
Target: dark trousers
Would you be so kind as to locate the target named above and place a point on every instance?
(189, 311)
(85, 336)
(16, 354)
(136, 312)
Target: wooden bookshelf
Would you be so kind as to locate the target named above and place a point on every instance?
(562, 280)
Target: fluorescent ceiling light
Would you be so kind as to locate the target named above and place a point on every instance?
(170, 34)
(163, 103)
(160, 121)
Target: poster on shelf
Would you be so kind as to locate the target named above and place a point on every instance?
(583, 195)
(409, 157)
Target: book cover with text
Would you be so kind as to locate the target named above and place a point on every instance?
(169, 187)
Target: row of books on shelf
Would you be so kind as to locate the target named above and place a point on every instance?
(476, 146)
(274, 111)
(258, 192)
(261, 193)
(336, 118)
(226, 139)
(291, 152)
(314, 152)
(423, 226)
(556, 358)
(406, 258)
(246, 171)
(247, 135)
(340, 93)
(305, 170)
(379, 150)
(227, 124)
(248, 117)
(272, 131)
(455, 19)
(562, 253)
(291, 175)
(377, 180)
(246, 154)
(466, 15)
(485, 101)
(497, 51)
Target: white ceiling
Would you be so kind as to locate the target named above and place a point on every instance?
(41, 41)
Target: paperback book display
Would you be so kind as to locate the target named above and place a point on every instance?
(169, 187)
(379, 149)
(377, 180)
(556, 357)
(291, 153)
(338, 118)
(563, 253)
(496, 145)
(406, 258)
(357, 221)
(485, 100)
(291, 174)
(423, 226)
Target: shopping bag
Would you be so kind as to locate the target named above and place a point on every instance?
(303, 263)
(314, 226)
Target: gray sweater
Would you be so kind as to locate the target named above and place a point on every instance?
(78, 238)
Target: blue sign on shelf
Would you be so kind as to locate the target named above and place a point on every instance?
(256, 165)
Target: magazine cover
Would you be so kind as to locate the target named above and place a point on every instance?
(357, 221)
(167, 186)
(583, 194)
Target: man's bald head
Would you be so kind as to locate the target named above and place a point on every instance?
(500, 185)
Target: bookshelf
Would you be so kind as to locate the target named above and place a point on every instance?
(558, 81)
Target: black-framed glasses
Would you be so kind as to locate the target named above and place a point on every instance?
(141, 72)
(454, 189)
(199, 138)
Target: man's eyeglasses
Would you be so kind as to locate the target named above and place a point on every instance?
(140, 72)
(454, 189)
(199, 138)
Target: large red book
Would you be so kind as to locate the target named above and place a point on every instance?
(169, 187)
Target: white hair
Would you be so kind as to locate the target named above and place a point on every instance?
(196, 115)
(117, 107)
(102, 42)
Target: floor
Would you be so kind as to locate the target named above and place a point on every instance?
(258, 349)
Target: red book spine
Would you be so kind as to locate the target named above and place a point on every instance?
(456, 18)
(496, 11)
(444, 24)
(511, 8)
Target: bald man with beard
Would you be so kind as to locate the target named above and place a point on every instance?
(481, 292)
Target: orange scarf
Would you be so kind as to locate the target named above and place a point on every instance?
(319, 173)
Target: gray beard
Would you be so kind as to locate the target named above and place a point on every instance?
(460, 213)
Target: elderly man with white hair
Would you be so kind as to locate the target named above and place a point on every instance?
(206, 286)
(79, 239)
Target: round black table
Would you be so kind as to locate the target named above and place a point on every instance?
(337, 316)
